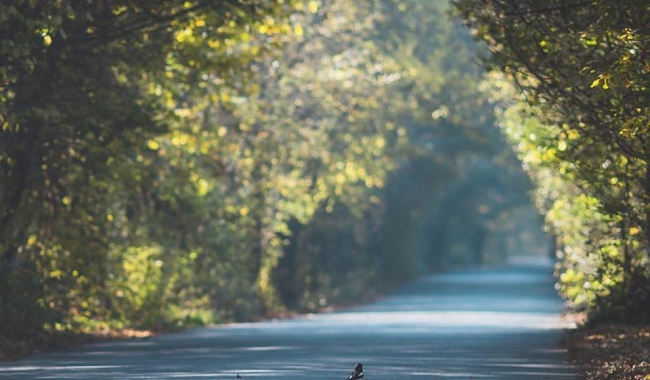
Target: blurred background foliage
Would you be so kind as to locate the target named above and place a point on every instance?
(167, 164)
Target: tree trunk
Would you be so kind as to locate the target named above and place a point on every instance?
(478, 245)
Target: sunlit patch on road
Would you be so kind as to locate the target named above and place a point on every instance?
(495, 323)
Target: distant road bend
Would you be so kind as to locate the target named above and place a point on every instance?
(492, 323)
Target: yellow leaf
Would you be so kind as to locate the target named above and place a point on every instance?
(56, 273)
(203, 187)
(595, 83)
(380, 142)
(47, 40)
(205, 148)
(313, 6)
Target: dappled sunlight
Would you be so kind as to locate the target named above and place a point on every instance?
(169, 165)
(446, 374)
(53, 368)
(439, 327)
(456, 322)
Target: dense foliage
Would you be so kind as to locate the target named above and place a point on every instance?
(582, 67)
(166, 163)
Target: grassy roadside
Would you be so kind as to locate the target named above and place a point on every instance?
(611, 351)
(45, 342)
(11, 350)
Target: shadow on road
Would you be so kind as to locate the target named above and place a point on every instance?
(494, 323)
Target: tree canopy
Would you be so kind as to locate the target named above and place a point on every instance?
(581, 67)
(166, 164)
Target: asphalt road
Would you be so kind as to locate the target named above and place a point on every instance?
(491, 323)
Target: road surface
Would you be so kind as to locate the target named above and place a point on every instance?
(491, 323)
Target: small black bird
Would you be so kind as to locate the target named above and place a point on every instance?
(238, 376)
(357, 374)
